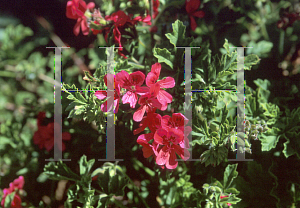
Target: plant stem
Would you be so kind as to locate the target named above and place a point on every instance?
(281, 42)
(264, 31)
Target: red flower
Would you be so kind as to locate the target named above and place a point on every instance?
(76, 10)
(16, 185)
(191, 8)
(163, 97)
(103, 94)
(178, 121)
(170, 138)
(152, 120)
(148, 149)
(119, 19)
(44, 136)
(149, 103)
(133, 84)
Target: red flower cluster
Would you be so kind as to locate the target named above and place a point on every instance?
(44, 136)
(76, 10)
(16, 185)
(167, 132)
(191, 7)
(119, 21)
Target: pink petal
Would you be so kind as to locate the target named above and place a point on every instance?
(142, 90)
(151, 79)
(101, 94)
(76, 28)
(163, 156)
(84, 27)
(123, 78)
(131, 98)
(138, 115)
(156, 69)
(164, 97)
(168, 82)
(158, 136)
(183, 153)
(172, 163)
(137, 78)
(91, 5)
(116, 104)
(156, 104)
(154, 90)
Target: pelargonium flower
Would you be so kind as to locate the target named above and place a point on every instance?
(147, 149)
(191, 7)
(149, 103)
(102, 94)
(132, 83)
(120, 21)
(152, 120)
(16, 185)
(170, 138)
(44, 136)
(177, 121)
(76, 10)
(163, 97)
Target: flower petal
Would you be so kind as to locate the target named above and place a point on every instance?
(137, 78)
(168, 82)
(156, 69)
(138, 115)
(199, 14)
(76, 28)
(164, 97)
(151, 79)
(101, 94)
(172, 163)
(131, 98)
(163, 156)
(193, 23)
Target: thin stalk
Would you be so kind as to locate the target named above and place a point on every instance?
(281, 42)
(264, 31)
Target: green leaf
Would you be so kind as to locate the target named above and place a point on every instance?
(229, 174)
(85, 166)
(292, 145)
(60, 171)
(8, 200)
(103, 180)
(231, 191)
(261, 49)
(269, 139)
(5, 141)
(250, 60)
(164, 56)
(177, 37)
